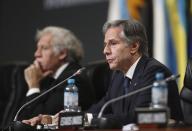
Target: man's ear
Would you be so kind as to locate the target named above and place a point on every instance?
(134, 47)
(63, 54)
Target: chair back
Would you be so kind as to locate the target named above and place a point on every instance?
(186, 94)
(13, 89)
(99, 75)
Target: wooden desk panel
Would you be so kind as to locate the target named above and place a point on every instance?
(141, 129)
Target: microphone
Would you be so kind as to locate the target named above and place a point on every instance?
(17, 123)
(102, 121)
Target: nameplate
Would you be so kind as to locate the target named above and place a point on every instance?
(71, 119)
(153, 116)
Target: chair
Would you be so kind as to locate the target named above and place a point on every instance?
(186, 94)
(99, 76)
(13, 90)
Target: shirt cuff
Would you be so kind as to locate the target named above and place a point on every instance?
(33, 91)
(89, 118)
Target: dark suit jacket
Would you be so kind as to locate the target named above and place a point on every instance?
(144, 75)
(53, 102)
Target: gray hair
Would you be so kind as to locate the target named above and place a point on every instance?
(133, 31)
(63, 39)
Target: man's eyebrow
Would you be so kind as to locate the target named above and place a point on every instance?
(104, 43)
(113, 40)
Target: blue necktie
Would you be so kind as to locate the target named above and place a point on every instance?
(126, 84)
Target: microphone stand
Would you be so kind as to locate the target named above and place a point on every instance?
(18, 123)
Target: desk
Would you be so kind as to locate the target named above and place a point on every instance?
(141, 129)
(166, 129)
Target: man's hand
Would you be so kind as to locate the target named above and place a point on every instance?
(40, 119)
(33, 121)
(34, 74)
(55, 118)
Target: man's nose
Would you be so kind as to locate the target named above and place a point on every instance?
(37, 53)
(106, 50)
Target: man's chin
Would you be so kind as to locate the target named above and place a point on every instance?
(112, 67)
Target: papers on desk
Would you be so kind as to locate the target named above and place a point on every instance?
(130, 127)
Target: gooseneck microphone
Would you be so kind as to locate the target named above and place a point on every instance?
(102, 121)
(78, 72)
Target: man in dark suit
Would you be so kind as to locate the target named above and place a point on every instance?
(126, 51)
(57, 57)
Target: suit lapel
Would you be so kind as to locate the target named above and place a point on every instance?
(136, 80)
(138, 73)
(70, 69)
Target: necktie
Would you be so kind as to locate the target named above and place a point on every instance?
(50, 79)
(126, 84)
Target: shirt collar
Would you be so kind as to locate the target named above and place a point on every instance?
(131, 70)
(60, 70)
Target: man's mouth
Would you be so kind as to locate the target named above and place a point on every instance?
(40, 65)
(109, 60)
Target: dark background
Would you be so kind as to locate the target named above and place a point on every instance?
(20, 19)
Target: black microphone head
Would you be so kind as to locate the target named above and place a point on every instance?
(105, 123)
(172, 77)
(78, 72)
(19, 126)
